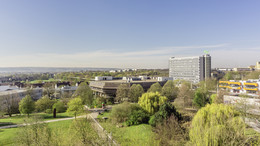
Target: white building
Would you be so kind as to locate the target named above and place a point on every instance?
(193, 69)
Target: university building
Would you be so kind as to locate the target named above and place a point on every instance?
(193, 69)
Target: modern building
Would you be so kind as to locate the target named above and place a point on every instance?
(193, 69)
(248, 87)
(108, 88)
(257, 67)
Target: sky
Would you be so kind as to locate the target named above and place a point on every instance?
(127, 33)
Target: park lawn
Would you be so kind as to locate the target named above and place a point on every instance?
(8, 136)
(132, 135)
(19, 119)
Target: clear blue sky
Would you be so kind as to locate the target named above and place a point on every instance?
(127, 33)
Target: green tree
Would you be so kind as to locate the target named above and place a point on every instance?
(156, 87)
(166, 110)
(170, 91)
(135, 92)
(26, 105)
(200, 99)
(44, 103)
(122, 92)
(151, 101)
(84, 93)
(60, 107)
(83, 132)
(217, 124)
(75, 106)
(185, 94)
(34, 133)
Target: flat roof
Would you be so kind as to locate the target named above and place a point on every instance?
(124, 81)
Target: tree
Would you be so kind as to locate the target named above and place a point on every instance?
(135, 92)
(171, 132)
(156, 87)
(48, 89)
(60, 107)
(170, 91)
(166, 110)
(83, 132)
(84, 93)
(34, 133)
(217, 124)
(185, 94)
(10, 104)
(75, 106)
(151, 101)
(44, 103)
(26, 105)
(122, 92)
(200, 99)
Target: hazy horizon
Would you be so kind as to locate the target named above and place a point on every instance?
(127, 34)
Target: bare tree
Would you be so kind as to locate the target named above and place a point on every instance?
(10, 104)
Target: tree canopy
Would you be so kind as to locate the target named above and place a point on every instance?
(84, 93)
(151, 101)
(122, 92)
(44, 103)
(170, 91)
(26, 105)
(135, 92)
(217, 124)
(156, 87)
(75, 106)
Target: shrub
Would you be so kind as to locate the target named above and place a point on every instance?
(166, 110)
(138, 116)
(121, 112)
(60, 107)
(48, 111)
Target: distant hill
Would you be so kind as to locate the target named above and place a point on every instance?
(48, 69)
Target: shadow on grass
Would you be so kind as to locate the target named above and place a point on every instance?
(6, 124)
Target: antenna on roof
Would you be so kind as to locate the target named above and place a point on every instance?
(206, 52)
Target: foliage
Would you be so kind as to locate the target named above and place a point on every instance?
(185, 94)
(151, 102)
(135, 92)
(9, 104)
(200, 99)
(166, 110)
(82, 130)
(26, 105)
(98, 101)
(48, 89)
(213, 99)
(217, 124)
(60, 107)
(170, 132)
(44, 103)
(252, 75)
(208, 84)
(34, 134)
(138, 116)
(170, 91)
(122, 92)
(156, 87)
(121, 112)
(75, 106)
(84, 93)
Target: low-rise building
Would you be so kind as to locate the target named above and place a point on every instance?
(108, 88)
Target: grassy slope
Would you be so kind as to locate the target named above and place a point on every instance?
(20, 118)
(133, 135)
(7, 136)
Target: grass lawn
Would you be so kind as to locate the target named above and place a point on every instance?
(132, 135)
(8, 136)
(19, 119)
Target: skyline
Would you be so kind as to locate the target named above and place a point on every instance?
(127, 34)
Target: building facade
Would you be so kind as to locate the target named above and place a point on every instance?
(193, 69)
